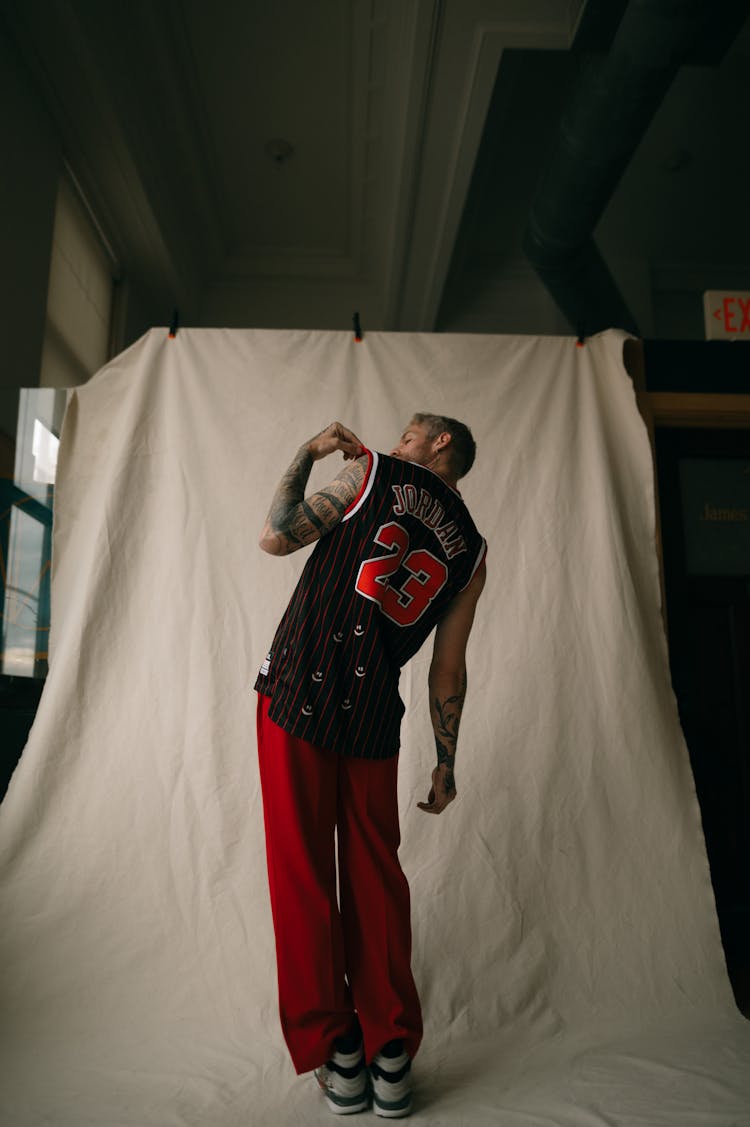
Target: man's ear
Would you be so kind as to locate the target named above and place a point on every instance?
(444, 440)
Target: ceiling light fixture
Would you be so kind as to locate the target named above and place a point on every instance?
(279, 150)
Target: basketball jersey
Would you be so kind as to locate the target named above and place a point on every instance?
(371, 592)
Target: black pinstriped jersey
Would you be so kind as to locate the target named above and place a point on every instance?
(369, 595)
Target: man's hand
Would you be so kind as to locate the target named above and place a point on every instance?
(335, 437)
(442, 791)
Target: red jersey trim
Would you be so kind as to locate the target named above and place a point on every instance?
(366, 487)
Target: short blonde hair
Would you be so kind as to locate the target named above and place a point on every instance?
(462, 449)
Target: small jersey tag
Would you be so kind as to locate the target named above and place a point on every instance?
(266, 665)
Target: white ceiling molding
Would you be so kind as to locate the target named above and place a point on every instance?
(153, 124)
(469, 54)
(70, 73)
(164, 111)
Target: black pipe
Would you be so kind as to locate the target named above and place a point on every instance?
(605, 120)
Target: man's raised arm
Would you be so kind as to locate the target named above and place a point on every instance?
(293, 520)
(447, 687)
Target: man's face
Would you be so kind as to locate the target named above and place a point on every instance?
(415, 446)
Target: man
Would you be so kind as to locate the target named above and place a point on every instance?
(397, 554)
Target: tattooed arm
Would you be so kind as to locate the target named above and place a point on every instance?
(447, 686)
(295, 520)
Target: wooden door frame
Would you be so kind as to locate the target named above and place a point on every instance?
(681, 410)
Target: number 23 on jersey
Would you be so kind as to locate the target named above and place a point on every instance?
(427, 576)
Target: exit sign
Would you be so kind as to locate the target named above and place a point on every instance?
(727, 314)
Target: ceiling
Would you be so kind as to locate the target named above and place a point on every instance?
(284, 163)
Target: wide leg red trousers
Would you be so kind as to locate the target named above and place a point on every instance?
(336, 958)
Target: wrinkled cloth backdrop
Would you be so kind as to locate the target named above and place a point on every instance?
(566, 944)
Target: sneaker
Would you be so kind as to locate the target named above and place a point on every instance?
(390, 1073)
(343, 1081)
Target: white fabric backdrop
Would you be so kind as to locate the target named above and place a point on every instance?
(566, 944)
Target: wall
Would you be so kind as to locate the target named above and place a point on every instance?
(31, 156)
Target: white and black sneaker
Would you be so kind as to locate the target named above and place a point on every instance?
(390, 1073)
(343, 1078)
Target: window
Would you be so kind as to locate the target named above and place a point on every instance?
(77, 342)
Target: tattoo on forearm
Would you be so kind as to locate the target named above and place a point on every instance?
(289, 495)
(323, 509)
(448, 713)
(444, 756)
(301, 520)
(445, 759)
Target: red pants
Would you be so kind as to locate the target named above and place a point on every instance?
(332, 962)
